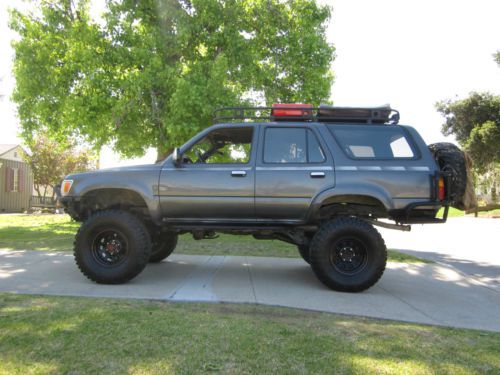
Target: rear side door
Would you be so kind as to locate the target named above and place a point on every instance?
(293, 166)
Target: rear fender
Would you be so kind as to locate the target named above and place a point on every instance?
(371, 192)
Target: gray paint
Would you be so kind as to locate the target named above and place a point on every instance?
(261, 191)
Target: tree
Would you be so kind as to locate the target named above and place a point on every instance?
(496, 55)
(475, 123)
(152, 72)
(50, 162)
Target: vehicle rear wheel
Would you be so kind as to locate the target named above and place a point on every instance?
(162, 246)
(304, 252)
(348, 254)
(112, 247)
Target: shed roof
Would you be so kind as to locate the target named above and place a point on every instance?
(4, 148)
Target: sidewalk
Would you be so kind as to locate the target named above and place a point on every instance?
(420, 293)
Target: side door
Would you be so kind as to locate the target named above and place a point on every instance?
(293, 166)
(215, 180)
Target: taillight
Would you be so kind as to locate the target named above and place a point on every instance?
(66, 186)
(441, 192)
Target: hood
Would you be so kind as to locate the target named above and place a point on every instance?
(115, 170)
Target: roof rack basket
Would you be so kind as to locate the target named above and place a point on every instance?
(301, 112)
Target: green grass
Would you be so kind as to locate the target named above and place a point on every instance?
(37, 232)
(55, 335)
(56, 232)
(453, 212)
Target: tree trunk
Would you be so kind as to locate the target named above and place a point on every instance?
(37, 189)
(494, 191)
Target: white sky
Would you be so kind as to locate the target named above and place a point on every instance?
(406, 53)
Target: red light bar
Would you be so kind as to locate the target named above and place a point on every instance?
(290, 111)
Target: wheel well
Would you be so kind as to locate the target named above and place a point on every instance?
(358, 205)
(103, 199)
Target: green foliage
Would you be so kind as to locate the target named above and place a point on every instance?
(484, 144)
(50, 162)
(151, 73)
(475, 122)
(496, 56)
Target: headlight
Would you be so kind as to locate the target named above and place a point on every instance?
(66, 186)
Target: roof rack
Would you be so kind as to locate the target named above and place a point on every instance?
(302, 112)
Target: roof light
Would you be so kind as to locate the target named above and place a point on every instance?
(292, 110)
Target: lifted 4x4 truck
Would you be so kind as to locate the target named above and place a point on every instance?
(318, 178)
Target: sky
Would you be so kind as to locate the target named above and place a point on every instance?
(410, 54)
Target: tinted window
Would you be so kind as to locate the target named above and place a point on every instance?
(291, 145)
(375, 142)
(222, 146)
(314, 151)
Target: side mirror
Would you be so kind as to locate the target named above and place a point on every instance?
(176, 156)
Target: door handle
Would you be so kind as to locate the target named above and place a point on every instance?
(317, 174)
(238, 173)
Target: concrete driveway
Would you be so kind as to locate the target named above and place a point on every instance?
(430, 294)
(470, 245)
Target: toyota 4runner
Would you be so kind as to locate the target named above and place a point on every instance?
(318, 178)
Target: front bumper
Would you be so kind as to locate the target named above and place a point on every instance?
(71, 206)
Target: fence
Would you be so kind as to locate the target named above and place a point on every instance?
(42, 202)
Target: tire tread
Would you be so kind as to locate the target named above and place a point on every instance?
(321, 240)
(134, 225)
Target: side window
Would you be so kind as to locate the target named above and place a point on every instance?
(222, 146)
(373, 142)
(314, 150)
(291, 145)
(15, 181)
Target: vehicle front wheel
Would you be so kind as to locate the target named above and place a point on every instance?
(112, 247)
(348, 254)
(162, 246)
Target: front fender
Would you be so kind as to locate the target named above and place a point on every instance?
(141, 180)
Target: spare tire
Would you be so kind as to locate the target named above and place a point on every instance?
(451, 159)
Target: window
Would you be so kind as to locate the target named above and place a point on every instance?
(373, 142)
(222, 146)
(15, 179)
(292, 145)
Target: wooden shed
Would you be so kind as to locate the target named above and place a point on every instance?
(16, 180)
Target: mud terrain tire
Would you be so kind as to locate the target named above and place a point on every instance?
(451, 159)
(112, 247)
(163, 246)
(348, 254)
(304, 252)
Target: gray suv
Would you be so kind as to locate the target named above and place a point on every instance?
(318, 178)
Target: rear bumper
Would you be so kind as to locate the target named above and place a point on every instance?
(410, 214)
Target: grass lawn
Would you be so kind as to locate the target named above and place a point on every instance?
(453, 212)
(56, 232)
(53, 335)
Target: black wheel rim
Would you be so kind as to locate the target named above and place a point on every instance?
(109, 247)
(349, 256)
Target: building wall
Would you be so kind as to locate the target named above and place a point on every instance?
(15, 154)
(15, 201)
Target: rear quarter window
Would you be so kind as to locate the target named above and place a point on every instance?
(374, 142)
